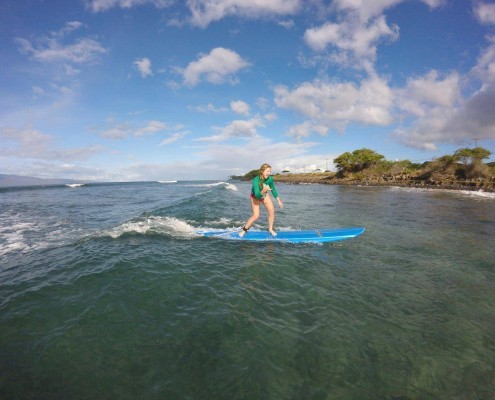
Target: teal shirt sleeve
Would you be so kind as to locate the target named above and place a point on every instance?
(256, 188)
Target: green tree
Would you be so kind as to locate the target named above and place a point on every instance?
(252, 174)
(358, 160)
(444, 162)
(480, 153)
(343, 162)
(472, 156)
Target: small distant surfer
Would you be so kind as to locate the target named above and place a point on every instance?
(263, 184)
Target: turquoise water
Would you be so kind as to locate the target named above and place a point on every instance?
(107, 292)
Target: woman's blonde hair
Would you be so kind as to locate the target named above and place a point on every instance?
(262, 169)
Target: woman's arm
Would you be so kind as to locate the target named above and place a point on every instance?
(271, 183)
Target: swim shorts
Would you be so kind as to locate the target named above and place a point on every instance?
(254, 197)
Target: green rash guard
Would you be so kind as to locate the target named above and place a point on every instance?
(256, 191)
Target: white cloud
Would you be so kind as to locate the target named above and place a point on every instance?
(319, 38)
(32, 144)
(239, 107)
(441, 115)
(82, 51)
(270, 117)
(252, 154)
(425, 132)
(432, 107)
(37, 91)
(27, 138)
(434, 3)
(54, 169)
(50, 49)
(150, 128)
(304, 130)
(263, 102)
(143, 65)
(68, 28)
(485, 66)
(237, 129)
(217, 67)
(288, 24)
(210, 108)
(337, 104)
(219, 160)
(476, 117)
(103, 5)
(420, 94)
(353, 40)
(70, 70)
(369, 9)
(120, 131)
(126, 129)
(173, 138)
(203, 12)
(364, 8)
(485, 13)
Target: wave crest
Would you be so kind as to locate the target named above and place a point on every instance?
(153, 225)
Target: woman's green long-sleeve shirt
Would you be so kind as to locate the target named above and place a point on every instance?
(256, 191)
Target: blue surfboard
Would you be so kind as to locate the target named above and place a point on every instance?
(306, 236)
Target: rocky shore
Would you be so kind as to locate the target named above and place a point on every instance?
(403, 180)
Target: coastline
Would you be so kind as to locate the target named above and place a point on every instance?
(478, 184)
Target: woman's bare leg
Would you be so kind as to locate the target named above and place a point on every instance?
(255, 206)
(271, 214)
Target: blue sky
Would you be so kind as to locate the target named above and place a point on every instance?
(130, 90)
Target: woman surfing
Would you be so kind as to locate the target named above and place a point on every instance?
(263, 184)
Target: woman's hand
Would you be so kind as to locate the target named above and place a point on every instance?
(280, 204)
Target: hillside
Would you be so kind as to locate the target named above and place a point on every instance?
(430, 176)
(464, 170)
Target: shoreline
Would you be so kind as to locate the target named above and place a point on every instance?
(330, 179)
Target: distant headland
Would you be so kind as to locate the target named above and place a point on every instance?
(20, 180)
(463, 170)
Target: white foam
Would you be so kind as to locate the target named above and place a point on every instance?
(476, 194)
(231, 186)
(222, 221)
(18, 234)
(12, 241)
(157, 225)
(14, 233)
(74, 185)
(210, 184)
(167, 181)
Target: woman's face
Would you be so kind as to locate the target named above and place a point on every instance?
(266, 173)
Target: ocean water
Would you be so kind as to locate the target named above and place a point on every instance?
(107, 292)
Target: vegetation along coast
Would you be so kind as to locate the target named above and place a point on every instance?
(463, 170)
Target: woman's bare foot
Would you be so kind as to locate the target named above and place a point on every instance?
(272, 232)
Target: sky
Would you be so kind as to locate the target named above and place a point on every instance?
(143, 90)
